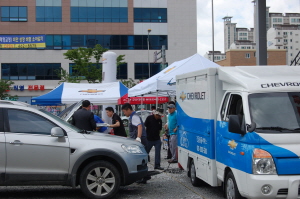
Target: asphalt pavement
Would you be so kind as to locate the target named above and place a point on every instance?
(170, 184)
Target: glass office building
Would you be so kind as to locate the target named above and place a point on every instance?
(118, 25)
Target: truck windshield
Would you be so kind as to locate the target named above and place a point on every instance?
(275, 112)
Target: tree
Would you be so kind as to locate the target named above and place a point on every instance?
(130, 82)
(84, 69)
(5, 88)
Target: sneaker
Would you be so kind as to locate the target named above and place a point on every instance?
(159, 168)
(172, 161)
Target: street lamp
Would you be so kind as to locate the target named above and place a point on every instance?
(149, 30)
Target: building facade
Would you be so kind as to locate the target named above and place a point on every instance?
(246, 57)
(218, 56)
(285, 37)
(119, 25)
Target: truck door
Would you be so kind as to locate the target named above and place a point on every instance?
(231, 147)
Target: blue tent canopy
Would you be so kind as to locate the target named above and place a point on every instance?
(69, 93)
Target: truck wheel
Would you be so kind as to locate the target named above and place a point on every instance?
(194, 180)
(100, 180)
(231, 189)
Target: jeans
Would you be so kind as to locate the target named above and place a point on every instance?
(173, 146)
(157, 145)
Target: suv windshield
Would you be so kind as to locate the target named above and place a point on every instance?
(61, 120)
(276, 112)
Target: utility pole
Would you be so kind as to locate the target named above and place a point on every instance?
(260, 33)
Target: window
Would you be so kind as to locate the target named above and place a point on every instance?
(278, 40)
(48, 11)
(278, 47)
(247, 55)
(284, 33)
(285, 47)
(99, 11)
(225, 102)
(122, 71)
(156, 15)
(27, 71)
(13, 13)
(278, 33)
(285, 40)
(291, 33)
(235, 107)
(291, 47)
(122, 42)
(291, 54)
(141, 70)
(291, 40)
(27, 122)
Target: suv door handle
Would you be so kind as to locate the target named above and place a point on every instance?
(16, 142)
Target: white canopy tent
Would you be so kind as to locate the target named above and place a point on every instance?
(164, 82)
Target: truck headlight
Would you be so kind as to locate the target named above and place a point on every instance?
(262, 163)
(132, 149)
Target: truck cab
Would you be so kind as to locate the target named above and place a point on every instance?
(239, 127)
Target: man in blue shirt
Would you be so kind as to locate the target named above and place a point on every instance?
(173, 129)
(98, 120)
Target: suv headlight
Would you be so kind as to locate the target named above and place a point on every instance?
(132, 149)
(262, 163)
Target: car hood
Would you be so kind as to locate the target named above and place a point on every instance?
(112, 138)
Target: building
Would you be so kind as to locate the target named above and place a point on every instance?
(217, 55)
(285, 37)
(246, 57)
(119, 25)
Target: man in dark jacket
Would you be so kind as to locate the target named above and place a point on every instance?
(117, 123)
(84, 118)
(153, 126)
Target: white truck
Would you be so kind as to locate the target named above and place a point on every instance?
(239, 127)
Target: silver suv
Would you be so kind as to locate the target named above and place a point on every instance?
(38, 148)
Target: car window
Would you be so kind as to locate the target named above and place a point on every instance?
(27, 122)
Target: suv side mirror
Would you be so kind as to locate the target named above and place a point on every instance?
(234, 125)
(57, 132)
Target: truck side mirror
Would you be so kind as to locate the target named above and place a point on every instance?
(234, 125)
(251, 127)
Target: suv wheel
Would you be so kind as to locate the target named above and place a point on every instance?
(99, 180)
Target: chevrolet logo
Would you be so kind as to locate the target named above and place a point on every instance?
(232, 144)
(182, 96)
(92, 91)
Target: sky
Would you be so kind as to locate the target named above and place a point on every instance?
(241, 12)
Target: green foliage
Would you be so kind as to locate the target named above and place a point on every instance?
(84, 68)
(129, 83)
(4, 90)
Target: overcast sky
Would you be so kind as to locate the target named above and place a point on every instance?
(242, 13)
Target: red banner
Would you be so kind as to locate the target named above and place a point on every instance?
(146, 100)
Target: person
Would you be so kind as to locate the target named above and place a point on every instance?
(83, 118)
(99, 120)
(169, 155)
(153, 126)
(117, 123)
(173, 128)
(136, 125)
(137, 130)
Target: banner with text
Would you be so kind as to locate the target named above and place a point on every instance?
(22, 41)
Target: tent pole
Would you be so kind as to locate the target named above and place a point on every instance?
(156, 99)
(141, 101)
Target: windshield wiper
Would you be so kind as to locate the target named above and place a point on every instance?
(275, 128)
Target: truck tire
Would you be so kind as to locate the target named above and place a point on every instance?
(231, 189)
(100, 180)
(194, 180)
